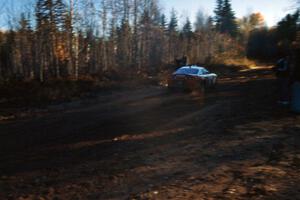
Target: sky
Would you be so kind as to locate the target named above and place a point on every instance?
(272, 10)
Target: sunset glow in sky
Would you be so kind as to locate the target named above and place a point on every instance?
(272, 10)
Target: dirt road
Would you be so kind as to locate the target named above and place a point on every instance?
(234, 142)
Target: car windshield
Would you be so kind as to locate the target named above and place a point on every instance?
(187, 71)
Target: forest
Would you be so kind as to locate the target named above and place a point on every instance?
(87, 38)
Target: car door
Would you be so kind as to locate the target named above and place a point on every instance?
(205, 75)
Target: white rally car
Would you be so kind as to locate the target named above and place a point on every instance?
(190, 77)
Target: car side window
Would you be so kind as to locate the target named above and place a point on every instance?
(205, 71)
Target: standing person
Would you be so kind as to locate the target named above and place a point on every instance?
(283, 74)
(295, 100)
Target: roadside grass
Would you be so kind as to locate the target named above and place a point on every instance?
(20, 94)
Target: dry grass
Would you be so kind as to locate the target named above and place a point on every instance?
(243, 62)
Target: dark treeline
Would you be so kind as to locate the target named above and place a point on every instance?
(74, 38)
(270, 44)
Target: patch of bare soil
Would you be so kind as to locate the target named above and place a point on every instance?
(233, 142)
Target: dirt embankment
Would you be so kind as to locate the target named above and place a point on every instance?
(234, 142)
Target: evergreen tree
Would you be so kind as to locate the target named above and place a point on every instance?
(186, 40)
(201, 20)
(123, 44)
(145, 32)
(163, 22)
(173, 22)
(60, 12)
(219, 14)
(187, 29)
(172, 36)
(229, 22)
(51, 18)
(209, 23)
(287, 27)
(24, 45)
(50, 13)
(225, 19)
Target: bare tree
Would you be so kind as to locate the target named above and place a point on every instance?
(103, 16)
(69, 38)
